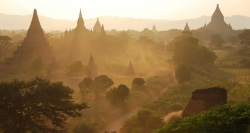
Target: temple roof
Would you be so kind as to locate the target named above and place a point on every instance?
(186, 27)
(154, 29)
(217, 14)
(80, 21)
(97, 27)
(130, 70)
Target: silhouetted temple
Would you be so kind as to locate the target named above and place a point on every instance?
(34, 44)
(217, 22)
(91, 69)
(78, 39)
(154, 29)
(186, 28)
(97, 27)
(130, 71)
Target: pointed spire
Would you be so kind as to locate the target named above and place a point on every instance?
(154, 28)
(205, 25)
(35, 21)
(186, 28)
(217, 15)
(103, 30)
(97, 27)
(91, 59)
(130, 71)
(80, 21)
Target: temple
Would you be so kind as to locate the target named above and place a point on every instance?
(97, 27)
(91, 69)
(186, 28)
(78, 38)
(130, 71)
(34, 44)
(154, 29)
(217, 23)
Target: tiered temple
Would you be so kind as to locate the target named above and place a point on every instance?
(97, 27)
(130, 71)
(91, 69)
(78, 39)
(154, 29)
(34, 44)
(186, 28)
(217, 22)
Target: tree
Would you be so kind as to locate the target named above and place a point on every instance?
(37, 105)
(138, 82)
(187, 32)
(102, 83)
(182, 73)
(245, 37)
(144, 122)
(86, 85)
(216, 40)
(36, 64)
(75, 68)
(5, 40)
(215, 120)
(187, 50)
(117, 96)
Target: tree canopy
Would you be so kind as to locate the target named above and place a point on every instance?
(245, 37)
(221, 119)
(187, 50)
(117, 96)
(35, 106)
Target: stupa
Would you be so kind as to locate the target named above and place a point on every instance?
(91, 69)
(97, 27)
(217, 23)
(130, 71)
(34, 44)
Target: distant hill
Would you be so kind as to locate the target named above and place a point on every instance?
(10, 22)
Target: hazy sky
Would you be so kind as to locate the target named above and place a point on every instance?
(151, 9)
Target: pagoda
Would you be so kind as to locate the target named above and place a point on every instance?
(91, 69)
(186, 28)
(34, 44)
(154, 29)
(217, 23)
(97, 27)
(130, 71)
(78, 39)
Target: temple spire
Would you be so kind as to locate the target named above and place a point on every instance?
(154, 28)
(80, 21)
(217, 15)
(186, 27)
(97, 27)
(35, 21)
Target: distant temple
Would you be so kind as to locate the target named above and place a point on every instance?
(217, 22)
(97, 27)
(91, 69)
(186, 28)
(78, 39)
(154, 29)
(34, 44)
(130, 71)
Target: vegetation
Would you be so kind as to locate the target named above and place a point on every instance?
(236, 117)
(37, 105)
(117, 96)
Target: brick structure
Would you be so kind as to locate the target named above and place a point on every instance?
(204, 99)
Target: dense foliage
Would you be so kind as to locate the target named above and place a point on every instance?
(117, 96)
(187, 50)
(37, 105)
(222, 119)
(144, 122)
